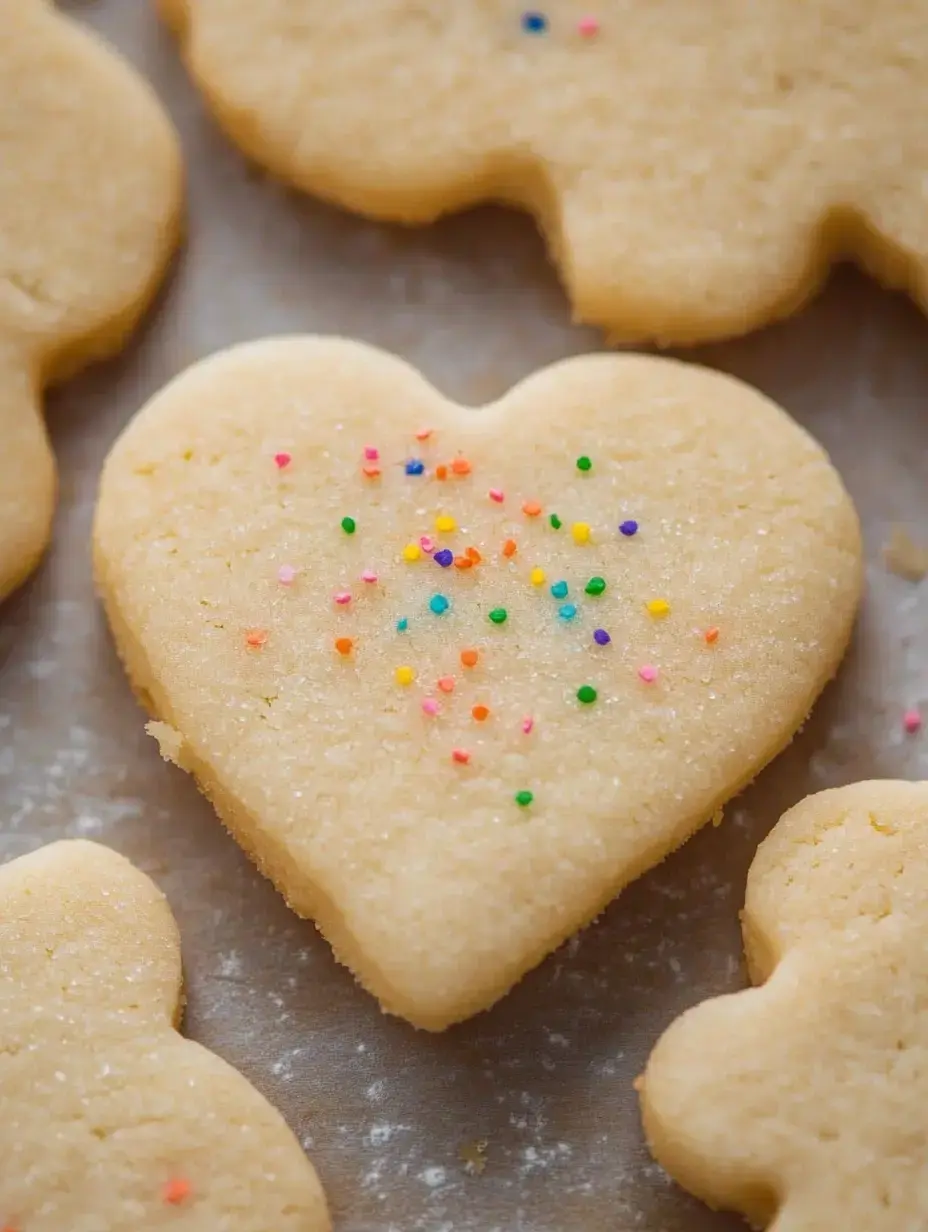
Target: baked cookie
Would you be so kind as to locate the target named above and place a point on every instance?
(696, 165)
(90, 198)
(112, 1121)
(453, 678)
(802, 1103)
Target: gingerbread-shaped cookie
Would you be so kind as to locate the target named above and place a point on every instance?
(454, 677)
(696, 165)
(90, 193)
(802, 1103)
(110, 1121)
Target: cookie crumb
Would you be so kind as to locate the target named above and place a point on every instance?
(170, 742)
(473, 1155)
(904, 557)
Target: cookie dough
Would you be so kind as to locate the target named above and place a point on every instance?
(803, 1101)
(696, 165)
(453, 677)
(90, 199)
(109, 1120)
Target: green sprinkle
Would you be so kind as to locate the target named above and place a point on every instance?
(595, 586)
(586, 694)
(349, 526)
(584, 463)
(499, 615)
(402, 624)
(524, 798)
(555, 521)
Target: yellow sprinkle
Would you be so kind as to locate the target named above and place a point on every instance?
(581, 532)
(537, 577)
(445, 523)
(658, 607)
(412, 551)
(404, 675)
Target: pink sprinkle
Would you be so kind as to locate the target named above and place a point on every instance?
(430, 707)
(282, 460)
(368, 576)
(423, 434)
(461, 756)
(648, 673)
(343, 597)
(527, 724)
(286, 575)
(912, 721)
(588, 26)
(427, 544)
(497, 494)
(370, 453)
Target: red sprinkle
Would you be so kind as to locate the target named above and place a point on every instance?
(461, 466)
(497, 494)
(256, 638)
(480, 713)
(371, 454)
(283, 460)
(912, 721)
(441, 472)
(371, 470)
(446, 684)
(423, 434)
(509, 547)
(344, 645)
(461, 756)
(527, 724)
(711, 636)
(176, 1190)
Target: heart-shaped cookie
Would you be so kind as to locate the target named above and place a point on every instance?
(90, 201)
(696, 165)
(110, 1120)
(454, 677)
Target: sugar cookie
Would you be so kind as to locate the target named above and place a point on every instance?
(696, 165)
(454, 677)
(111, 1121)
(90, 187)
(804, 1100)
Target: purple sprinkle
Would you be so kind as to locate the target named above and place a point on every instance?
(629, 528)
(415, 466)
(444, 558)
(601, 637)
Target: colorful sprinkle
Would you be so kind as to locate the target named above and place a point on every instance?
(349, 526)
(601, 637)
(415, 466)
(559, 590)
(581, 532)
(342, 597)
(402, 624)
(371, 454)
(404, 675)
(461, 466)
(177, 1190)
(286, 575)
(370, 470)
(283, 460)
(461, 756)
(430, 707)
(531, 508)
(629, 528)
(658, 607)
(256, 638)
(427, 544)
(499, 615)
(344, 645)
(473, 556)
(584, 463)
(523, 798)
(527, 724)
(444, 558)
(509, 548)
(555, 521)
(534, 23)
(463, 562)
(595, 586)
(481, 713)
(412, 551)
(469, 658)
(423, 434)
(711, 636)
(567, 612)
(441, 472)
(537, 577)
(438, 604)
(647, 673)
(586, 694)
(588, 26)
(912, 721)
(446, 684)
(497, 494)
(445, 523)
(369, 576)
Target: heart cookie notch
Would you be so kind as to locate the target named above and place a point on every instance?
(453, 677)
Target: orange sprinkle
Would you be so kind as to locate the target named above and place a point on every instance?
(344, 645)
(531, 509)
(473, 556)
(256, 638)
(176, 1190)
(461, 466)
(510, 547)
(463, 562)
(461, 756)
(423, 434)
(711, 636)
(441, 472)
(469, 658)
(446, 684)
(480, 713)
(371, 471)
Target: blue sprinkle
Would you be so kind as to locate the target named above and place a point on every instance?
(402, 625)
(439, 604)
(567, 612)
(601, 637)
(559, 590)
(415, 467)
(534, 23)
(444, 558)
(629, 528)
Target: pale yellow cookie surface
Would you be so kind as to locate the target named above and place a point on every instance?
(696, 165)
(803, 1103)
(90, 187)
(109, 1120)
(378, 787)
